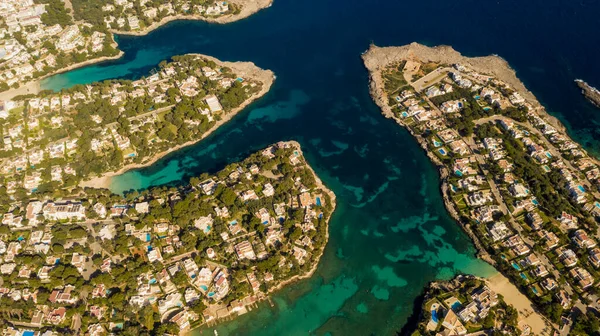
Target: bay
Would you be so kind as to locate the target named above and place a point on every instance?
(390, 235)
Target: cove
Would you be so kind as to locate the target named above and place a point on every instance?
(390, 235)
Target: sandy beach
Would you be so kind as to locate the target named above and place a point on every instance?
(32, 87)
(528, 316)
(243, 69)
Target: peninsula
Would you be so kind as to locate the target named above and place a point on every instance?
(524, 191)
(591, 93)
(44, 37)
(60, 139)
(164, 261)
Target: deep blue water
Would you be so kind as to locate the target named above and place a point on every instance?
(390, 234)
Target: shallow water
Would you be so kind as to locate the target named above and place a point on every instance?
(390, 234)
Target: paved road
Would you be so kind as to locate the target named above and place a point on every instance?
(429, 79)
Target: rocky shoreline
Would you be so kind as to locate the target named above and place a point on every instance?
(377, 59)
(372, 60)
(313, 269)
(591, 93)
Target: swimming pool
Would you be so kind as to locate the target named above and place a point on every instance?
(404, 115)
(549, 155)
(211, 294)
(203, 287)
(524, 277)
(458, 173)
(437, 143)
(581, 188)
(535, 202)
(534, 290)
(456, 305)
(516, 266)
(319, 201)
(442, 151)
(434, 317)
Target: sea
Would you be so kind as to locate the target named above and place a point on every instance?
(390, 235)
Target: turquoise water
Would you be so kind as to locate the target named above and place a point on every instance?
(390, 234)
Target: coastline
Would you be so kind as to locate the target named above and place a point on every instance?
(589, 92)
(371, 60)
(377, 59)
(34, 86)
(295, 278)
(249, 7)
(245, 69)
(333, 201)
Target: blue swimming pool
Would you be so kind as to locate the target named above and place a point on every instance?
(458, 173)
(516, 266)
(319, 201)
(456, 305)
(535, 202)
(148, 237)
(203, 287)
(404, 115)
(211, 294)
(442, 151)
(477, 97)
(534, 290)
(524, 277)
(581, 188)
(434, 317)
(437, 143)
(549, 155)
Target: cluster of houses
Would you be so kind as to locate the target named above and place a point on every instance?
(26, 145)
(449, 316)
(504, 209)
(122, 15)
(24, 55)
(207, 274)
